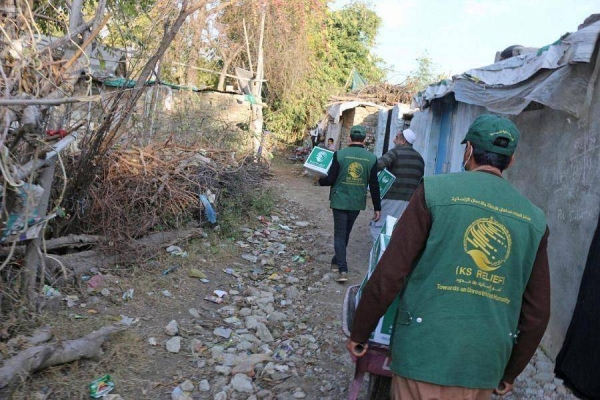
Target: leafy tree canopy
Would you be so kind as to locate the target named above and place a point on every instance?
(350, 34)
(425, 74)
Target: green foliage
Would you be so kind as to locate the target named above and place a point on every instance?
(425, 74)
(56, 13)
(262, 203)
(240, 207)
(351, 34)
(339, 43)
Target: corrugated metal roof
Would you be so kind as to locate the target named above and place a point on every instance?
(508, 86)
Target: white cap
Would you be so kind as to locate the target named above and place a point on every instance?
(409, 135)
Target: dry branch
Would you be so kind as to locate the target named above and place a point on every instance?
(39, 357)
(82, 262)
(65, 242)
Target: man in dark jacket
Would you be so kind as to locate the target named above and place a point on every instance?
(407, 165)
(352, 169)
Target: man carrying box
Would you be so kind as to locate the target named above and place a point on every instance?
(352, 169)
(470, 254)
(407, 165)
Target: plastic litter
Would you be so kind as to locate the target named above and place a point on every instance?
(211, 196)
(220, 293)
(283, 351)
(50, 291)
(101, 386)
(128, 321)
(177, 251)
(95, 281)
(214, 299)
(128, 294)
(231, 271)
(209, 212)
(170, 269)
(299, 259)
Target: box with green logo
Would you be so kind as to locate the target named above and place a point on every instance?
(376, 252)
(319, 160)
(383, 331)
(386, 180)
(388, 225)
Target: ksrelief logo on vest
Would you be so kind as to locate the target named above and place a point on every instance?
(488, 242)
(355, 170)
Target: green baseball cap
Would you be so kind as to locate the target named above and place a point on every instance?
(487, 128)
(358, 131)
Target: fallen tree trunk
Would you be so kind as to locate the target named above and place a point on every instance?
(76, 264)
(69, 241)
(39, 357)
(81, 262)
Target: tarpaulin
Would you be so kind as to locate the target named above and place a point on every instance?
(557, 78)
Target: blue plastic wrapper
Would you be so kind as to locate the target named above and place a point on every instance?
(209, 211)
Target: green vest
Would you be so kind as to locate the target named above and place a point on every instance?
(457, 320)
(350, 189)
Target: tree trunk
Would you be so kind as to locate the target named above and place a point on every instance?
(221, 85)
(227, 60)
(48, 355)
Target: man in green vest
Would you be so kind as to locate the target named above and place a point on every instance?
(469, 257)
(352, 170)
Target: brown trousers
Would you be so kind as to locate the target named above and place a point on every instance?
(408, 389)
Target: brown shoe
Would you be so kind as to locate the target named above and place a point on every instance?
(342, 277)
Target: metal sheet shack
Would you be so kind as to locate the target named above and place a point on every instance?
(553, 96)
(381, 121)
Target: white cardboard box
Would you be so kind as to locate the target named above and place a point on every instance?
(319, 160)
(383, 331)
(386, 180)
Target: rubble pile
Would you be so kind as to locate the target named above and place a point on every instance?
(267, 341)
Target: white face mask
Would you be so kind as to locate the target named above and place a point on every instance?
(464, 165)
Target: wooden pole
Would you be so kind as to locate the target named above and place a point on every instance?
(247, 45)
(257, 112)
(259, 63)
(216, 72)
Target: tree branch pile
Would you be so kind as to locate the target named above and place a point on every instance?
(156, 188)
(387, 93)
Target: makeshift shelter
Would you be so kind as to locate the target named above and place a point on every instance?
(553, 96)
(381, 121)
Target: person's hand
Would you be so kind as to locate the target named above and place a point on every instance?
(377, 216)
(503, 388)
(356, 350)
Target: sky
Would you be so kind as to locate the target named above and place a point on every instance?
(459, 35)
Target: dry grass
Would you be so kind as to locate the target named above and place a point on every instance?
(123, 358)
